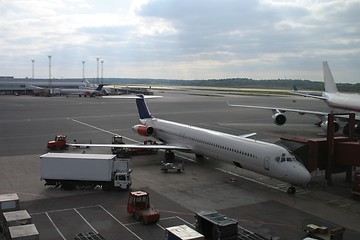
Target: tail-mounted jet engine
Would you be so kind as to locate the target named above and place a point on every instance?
(143, 130)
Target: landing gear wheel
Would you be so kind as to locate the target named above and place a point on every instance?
(291, 190)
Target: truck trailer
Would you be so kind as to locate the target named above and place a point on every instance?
(70, 170)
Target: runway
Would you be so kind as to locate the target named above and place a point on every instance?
(258, 203)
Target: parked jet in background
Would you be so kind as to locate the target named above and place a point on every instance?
(82, 91)
(332, 97)
(307, 93)
(257, 156)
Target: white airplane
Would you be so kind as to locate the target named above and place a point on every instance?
(91, 92)
(257, 156)
(331, 96)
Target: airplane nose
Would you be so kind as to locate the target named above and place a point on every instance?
(303, 176)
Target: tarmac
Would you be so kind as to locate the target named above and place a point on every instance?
(258, 203)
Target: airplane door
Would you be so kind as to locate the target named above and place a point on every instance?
(267, 163)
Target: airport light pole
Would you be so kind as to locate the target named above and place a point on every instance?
(102, 71)
(49, 70)
(97, 76)
(83, 63)
(32, 64)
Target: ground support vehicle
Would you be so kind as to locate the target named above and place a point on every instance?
(214, 225)
(70, 170)
(128, 152)
(170, 166)
(182, 232)
(144, 151)
(139, 206)
(314, 231)
(58, 143)
(118, 151)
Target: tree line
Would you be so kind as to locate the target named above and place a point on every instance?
(286, 84)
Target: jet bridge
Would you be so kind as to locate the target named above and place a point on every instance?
(332, 154)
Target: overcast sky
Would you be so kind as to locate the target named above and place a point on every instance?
(181, 39)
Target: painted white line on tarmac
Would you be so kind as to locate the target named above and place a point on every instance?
(57, 229)
(94, 230)
(121, 223)
(64, 209)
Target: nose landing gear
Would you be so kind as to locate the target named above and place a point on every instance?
(291, 190)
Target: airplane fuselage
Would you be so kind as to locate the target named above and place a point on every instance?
(343, 101)
(257, 156)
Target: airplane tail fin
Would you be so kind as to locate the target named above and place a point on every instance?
(143, 109)
(295, 88)
(330, 86)
(99, 87)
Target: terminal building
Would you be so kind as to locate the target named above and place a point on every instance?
(11, 85)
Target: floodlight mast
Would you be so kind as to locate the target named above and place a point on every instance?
(83, 73)
(50, 84)
(97, 76)
(32, 65)
(102, 71)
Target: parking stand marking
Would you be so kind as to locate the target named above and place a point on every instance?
(86, 221)
(57, 229)
(120, 222)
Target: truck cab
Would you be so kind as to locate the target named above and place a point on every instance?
(122, 180)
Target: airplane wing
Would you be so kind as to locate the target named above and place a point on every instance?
(135, 146)
(33, 87)
(280, 119)
(310, 95)
(283, 110)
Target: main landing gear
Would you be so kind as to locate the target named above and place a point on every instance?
(291, 190)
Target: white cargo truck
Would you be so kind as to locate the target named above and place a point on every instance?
(70, 170)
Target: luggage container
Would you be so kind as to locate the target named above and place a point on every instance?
(9, 202)
(24, 232)
(17, 218)
(216, 226)
(182, 232)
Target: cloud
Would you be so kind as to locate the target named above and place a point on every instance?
(182, 39)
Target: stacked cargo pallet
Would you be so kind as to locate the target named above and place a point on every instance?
(15, 223)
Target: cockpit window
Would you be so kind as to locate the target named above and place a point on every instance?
(285, 158)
